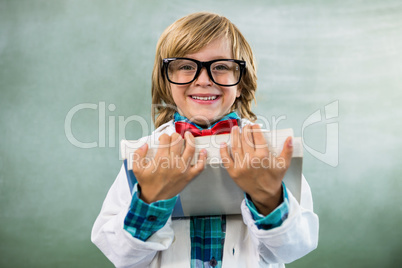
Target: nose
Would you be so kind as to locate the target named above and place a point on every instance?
(203, 78)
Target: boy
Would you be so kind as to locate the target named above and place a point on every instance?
(204, 76)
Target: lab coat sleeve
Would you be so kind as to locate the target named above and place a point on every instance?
(296, 237)
(119, 246)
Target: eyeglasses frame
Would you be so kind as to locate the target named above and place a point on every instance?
(207, 65)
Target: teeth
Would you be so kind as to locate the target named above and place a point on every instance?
(204, 98)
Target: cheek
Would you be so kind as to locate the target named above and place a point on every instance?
(176, 92)
(233, 93)
(179, 95)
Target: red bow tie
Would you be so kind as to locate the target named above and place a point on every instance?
(222, 127)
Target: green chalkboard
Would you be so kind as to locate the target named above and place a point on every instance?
(75, 79)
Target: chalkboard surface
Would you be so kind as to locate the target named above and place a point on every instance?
(75, 79)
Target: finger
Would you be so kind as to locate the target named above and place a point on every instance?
(139, 158)
(200, 164)
(176, 145)
(235, 141)
(247, 140)
(164, 145)
(189, 149)
(287, 152)
(227, 161)
(258, 138)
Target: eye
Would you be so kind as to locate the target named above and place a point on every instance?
(186, 68)
(221, 67)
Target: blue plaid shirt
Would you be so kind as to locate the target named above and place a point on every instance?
(207, 233)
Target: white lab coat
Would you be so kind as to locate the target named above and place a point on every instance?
(245, 245)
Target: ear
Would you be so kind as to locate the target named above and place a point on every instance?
(238, 92)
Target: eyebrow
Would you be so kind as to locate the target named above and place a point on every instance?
(213, 58)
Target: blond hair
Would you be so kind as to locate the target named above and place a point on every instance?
(189, 35)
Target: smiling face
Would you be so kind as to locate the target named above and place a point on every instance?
(202, 101)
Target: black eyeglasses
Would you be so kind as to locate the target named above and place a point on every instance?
(223, 72)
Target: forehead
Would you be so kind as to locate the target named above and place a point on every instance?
(218, 48)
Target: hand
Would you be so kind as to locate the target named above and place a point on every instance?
(254, 168)
(166, 175)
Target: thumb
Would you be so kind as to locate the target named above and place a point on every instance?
(287, 152)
